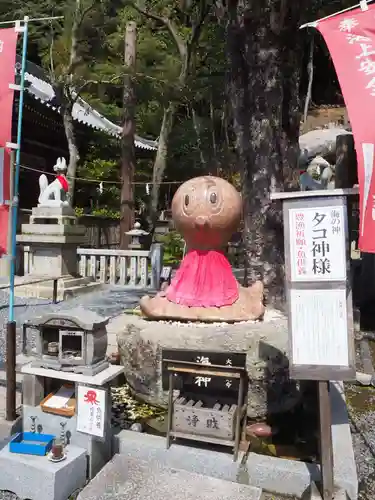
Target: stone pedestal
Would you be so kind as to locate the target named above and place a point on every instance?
(50, 243)
(265, 343)
(36, 478)
(35, 388)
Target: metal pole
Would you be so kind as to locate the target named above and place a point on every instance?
(14, 206)
(9, 242)
(11, 371)
(33, 20)
(314, 24)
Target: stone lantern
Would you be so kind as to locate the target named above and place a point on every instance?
(137, 236)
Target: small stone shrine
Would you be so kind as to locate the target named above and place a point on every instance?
(74, 341)
(50, 242)
(66, 395)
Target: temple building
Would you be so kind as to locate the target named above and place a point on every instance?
(43, 135)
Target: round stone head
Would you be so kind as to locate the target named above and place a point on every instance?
(206, 211)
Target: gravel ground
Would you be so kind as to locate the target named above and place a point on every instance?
(361, 407)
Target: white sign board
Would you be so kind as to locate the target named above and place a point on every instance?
(91, 414)
(319, 327)
(317, 244)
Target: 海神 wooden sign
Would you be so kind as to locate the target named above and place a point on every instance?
(317, 278)
(200, 384)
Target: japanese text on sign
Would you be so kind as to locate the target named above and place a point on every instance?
(91, 410)
(317, 244)
(366, 50)
(210, 422)
(319, 326)
(204, 381)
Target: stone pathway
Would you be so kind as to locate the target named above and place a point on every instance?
(126, 478)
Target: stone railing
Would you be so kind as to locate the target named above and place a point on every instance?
(27, 260)
(133, 268)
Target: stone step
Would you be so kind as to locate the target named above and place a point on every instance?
(188, 457)
(130, 479)
(75, 291)
(45, 292)
(73, 281)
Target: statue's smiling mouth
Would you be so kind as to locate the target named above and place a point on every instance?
(202, 222)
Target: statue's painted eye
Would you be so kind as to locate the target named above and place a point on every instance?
(213, 198)
(186, 200)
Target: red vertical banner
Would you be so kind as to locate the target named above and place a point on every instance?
(8, 47)
(350, 38)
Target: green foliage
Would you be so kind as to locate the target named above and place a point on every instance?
(105, 212)
(200, 145)
(173, 247)
(158, 66)
(79, 211)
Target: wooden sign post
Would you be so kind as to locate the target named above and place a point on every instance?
(319, 298)
(212, 398)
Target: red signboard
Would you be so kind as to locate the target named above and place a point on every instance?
(350, 38)
(8, 46)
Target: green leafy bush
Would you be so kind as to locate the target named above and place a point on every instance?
(173, 247)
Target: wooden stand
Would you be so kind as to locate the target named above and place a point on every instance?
(326, 452)
(317, 270)
(180, 368)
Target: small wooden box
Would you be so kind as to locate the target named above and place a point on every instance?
(190, 417)
(68, 411)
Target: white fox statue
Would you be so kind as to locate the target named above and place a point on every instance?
(56, 193)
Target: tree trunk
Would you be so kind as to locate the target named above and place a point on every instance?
(128, 130)
(198, 133)
(72, 146)
(160, 163)
(265, 54)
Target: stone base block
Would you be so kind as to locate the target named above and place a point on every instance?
(265, 343)
(129, 479)
(67, 287)
(53, 215)
(51, 239)
(52, 230)
(276, 475)
(57, 259)
(64, 211)
(98, 452)
(36, 478)
(85, 370)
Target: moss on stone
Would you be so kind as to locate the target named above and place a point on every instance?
(360, 399)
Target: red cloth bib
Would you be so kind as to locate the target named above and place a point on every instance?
(204, 279)
(64, 183)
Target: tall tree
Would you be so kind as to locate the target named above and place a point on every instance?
(70, 73)
(265, 48)
(183, 21)
(128, 130)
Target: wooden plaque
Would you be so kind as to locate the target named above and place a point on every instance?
(318, 288)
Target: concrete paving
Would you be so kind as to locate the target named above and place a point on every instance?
(285, 477)
(3, 401)
(128, 479)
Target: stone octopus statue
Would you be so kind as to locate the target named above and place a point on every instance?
(206, 210)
